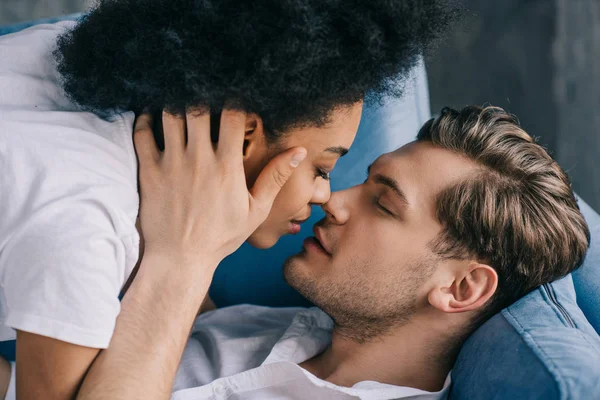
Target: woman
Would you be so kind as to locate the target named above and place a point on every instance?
(298, 69)
(301, 69)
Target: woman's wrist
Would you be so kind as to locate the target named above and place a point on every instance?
(184, 266)
(182, 283)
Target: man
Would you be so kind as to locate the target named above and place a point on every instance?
(443, 233)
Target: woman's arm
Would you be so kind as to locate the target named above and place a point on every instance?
(152, 329)
(195, 210)
(49, 368)
(5, 374)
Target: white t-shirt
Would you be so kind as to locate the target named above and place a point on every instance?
(68, 201)
(252, 353)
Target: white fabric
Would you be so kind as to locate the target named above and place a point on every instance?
(252, 353)
(68, 201)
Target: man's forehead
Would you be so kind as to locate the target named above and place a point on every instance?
(393, 158)
(424, 164)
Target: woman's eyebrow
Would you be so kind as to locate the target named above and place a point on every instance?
(342, 151)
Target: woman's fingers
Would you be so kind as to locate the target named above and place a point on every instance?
(143, 139)
(231, 136)
(198, 128)
(174, 129)
(206, 212)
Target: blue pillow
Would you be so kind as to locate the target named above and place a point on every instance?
(541, 347)
(587, 278)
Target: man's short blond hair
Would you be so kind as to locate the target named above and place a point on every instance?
(517, 213)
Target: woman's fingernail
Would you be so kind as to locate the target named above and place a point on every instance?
(297, 158)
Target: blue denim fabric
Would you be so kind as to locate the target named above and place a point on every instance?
(532, 350)
(587, 278)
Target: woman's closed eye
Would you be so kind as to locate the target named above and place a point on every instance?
(322, 173)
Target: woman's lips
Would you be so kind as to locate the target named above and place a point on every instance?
(294, 227)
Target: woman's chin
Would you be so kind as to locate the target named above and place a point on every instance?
(263, 240)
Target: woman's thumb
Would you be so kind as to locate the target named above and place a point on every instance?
(272, 178)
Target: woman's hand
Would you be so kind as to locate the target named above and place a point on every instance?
(195, 205)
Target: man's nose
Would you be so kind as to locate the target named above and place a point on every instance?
(322, 192)
(336, 208)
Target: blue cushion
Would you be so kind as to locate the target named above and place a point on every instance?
(541, 347)
(587, 278)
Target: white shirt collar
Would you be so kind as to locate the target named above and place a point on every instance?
(309, 335)
(227, 339)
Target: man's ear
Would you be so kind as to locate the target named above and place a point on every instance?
(465, 289)
(254, 139)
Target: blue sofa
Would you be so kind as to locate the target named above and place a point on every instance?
(545, 346)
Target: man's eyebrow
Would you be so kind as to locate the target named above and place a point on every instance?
(342, 151)
(390, 183)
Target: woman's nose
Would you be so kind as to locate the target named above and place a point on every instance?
(322, 192)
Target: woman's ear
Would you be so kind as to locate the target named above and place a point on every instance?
(254, 139)
(256, 151)
(467, 290)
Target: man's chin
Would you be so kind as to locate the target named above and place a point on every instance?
(291, 273)
(298, 275)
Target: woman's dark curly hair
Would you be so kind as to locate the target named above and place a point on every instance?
(292, 62)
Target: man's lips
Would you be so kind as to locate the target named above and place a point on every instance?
(318, 231)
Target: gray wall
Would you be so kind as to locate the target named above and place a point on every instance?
(539, 59)
(576, 54)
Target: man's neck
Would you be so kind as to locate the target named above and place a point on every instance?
(408, 356)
